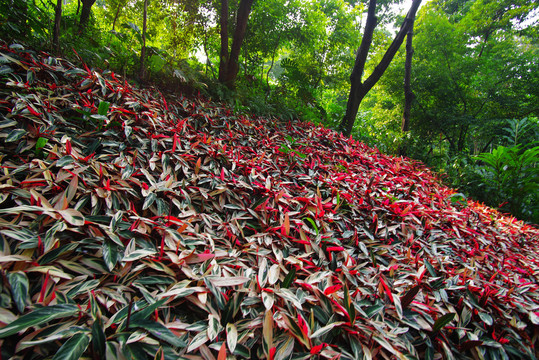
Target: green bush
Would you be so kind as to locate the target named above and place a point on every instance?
(511, 177)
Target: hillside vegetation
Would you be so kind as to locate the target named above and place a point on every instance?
(136, 225)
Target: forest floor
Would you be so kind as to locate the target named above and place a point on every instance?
(143, 226)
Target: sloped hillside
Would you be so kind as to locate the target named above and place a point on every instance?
(134, 226)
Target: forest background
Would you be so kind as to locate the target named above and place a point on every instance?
(468, 109)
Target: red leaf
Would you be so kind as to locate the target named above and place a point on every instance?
(174, 142)
(222, 352)
(272, 352)
(332, 289)
(285, 229)
(335, 248)
(386, 288)
(316, 349)
(33, 112)
(43, 288)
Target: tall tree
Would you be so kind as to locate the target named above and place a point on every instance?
(359, 88)
(466, 82)
(57, 20)
(85, 14)
(229, 62)
(408, 93)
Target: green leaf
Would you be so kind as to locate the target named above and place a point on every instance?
(19, 289)
(110, 254)
(38, 317)
(295, 330)
(213, 327)
(7, 123)
(242, 351)
(15, 135)
(74, 348)
(231, 336)
(313, 224)
(374, 309)
(442, 321)
(103, 108)
(487, 319)
(82, 287)
(40, 144)
(198, 341)
(348, 304)
(72, 216)
(232, 307)
(284, 349)
(326, 329)
(289, 278)
(64, 161)
(161, 332)
(139, 318)
(465, 317)
(55, 253)
(98, 338)
(30, 76)
(4, 69)
(430, 268)
(149, 200)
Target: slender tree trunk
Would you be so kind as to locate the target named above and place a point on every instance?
(85, 14)
(228, 71)
(272, 63)
(56, 31)
(223, 58)
(408, 93)
(143, 50)
(463, 133)
(116, 15)
(359, 88)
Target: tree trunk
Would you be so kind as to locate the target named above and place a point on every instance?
(85, 14)
(143, 50)
(56, 31)
(223, 58)
(116, 15)
(271, 65)
(408, 93)
(229, 70)
(463, 133)
(359, 89)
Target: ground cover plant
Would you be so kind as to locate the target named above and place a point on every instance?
(138, 225)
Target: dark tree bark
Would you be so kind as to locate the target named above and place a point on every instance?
(228, 71)
(116, 15)
(359, 88)
(408, 93)
(143, 50)
(85, 14)
(56, 31)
